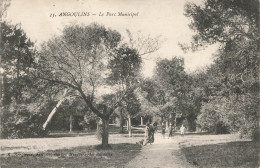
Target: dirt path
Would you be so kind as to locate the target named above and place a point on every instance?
(163, 153)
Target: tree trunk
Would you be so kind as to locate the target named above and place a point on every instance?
(54, 110)
(71, 122)
(121, 122)
(1, 99)
(63, 121)
(175, 121)
(129, 126)
(142, 122)
(161, 120)
(167, 124)
(97, 121)
(105, 133)
(258, 23)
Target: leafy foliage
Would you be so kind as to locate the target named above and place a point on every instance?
(21, 115)
(232, 83)
(24, 120)
(223, 21)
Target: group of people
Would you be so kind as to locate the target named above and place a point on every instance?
(150, 130)
(171, 129)
(149, 133)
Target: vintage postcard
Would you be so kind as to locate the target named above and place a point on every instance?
(129, 83)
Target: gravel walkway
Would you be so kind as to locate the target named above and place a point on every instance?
(163, 153)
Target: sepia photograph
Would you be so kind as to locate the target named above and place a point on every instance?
(129, 83)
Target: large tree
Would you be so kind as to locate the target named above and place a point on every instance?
(174, 81)
(17, 57)
(126, 73)
(155, 100)
(128, 66)
(80, 60)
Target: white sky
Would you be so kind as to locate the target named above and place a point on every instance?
(155, 18)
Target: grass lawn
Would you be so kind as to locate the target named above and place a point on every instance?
(89, 156)
(229, 154)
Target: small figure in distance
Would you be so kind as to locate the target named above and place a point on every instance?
(170, 130)
(163, 129)
(182, 129)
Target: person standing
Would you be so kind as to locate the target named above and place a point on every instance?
(170, 130)
(163, 129)
(146, 130)
(182, 129)
(153, 129)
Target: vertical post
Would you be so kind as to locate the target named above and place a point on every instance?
(97, 121)
(71, 122)
(121, 121)
(129, 126)
(167, 124)
(142, 122)
(1, 99)
(170, 119)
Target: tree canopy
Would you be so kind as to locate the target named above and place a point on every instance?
(232, 81)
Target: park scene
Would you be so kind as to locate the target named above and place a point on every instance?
(112, 91)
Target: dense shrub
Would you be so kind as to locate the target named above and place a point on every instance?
(21, 121)
(222, 115)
